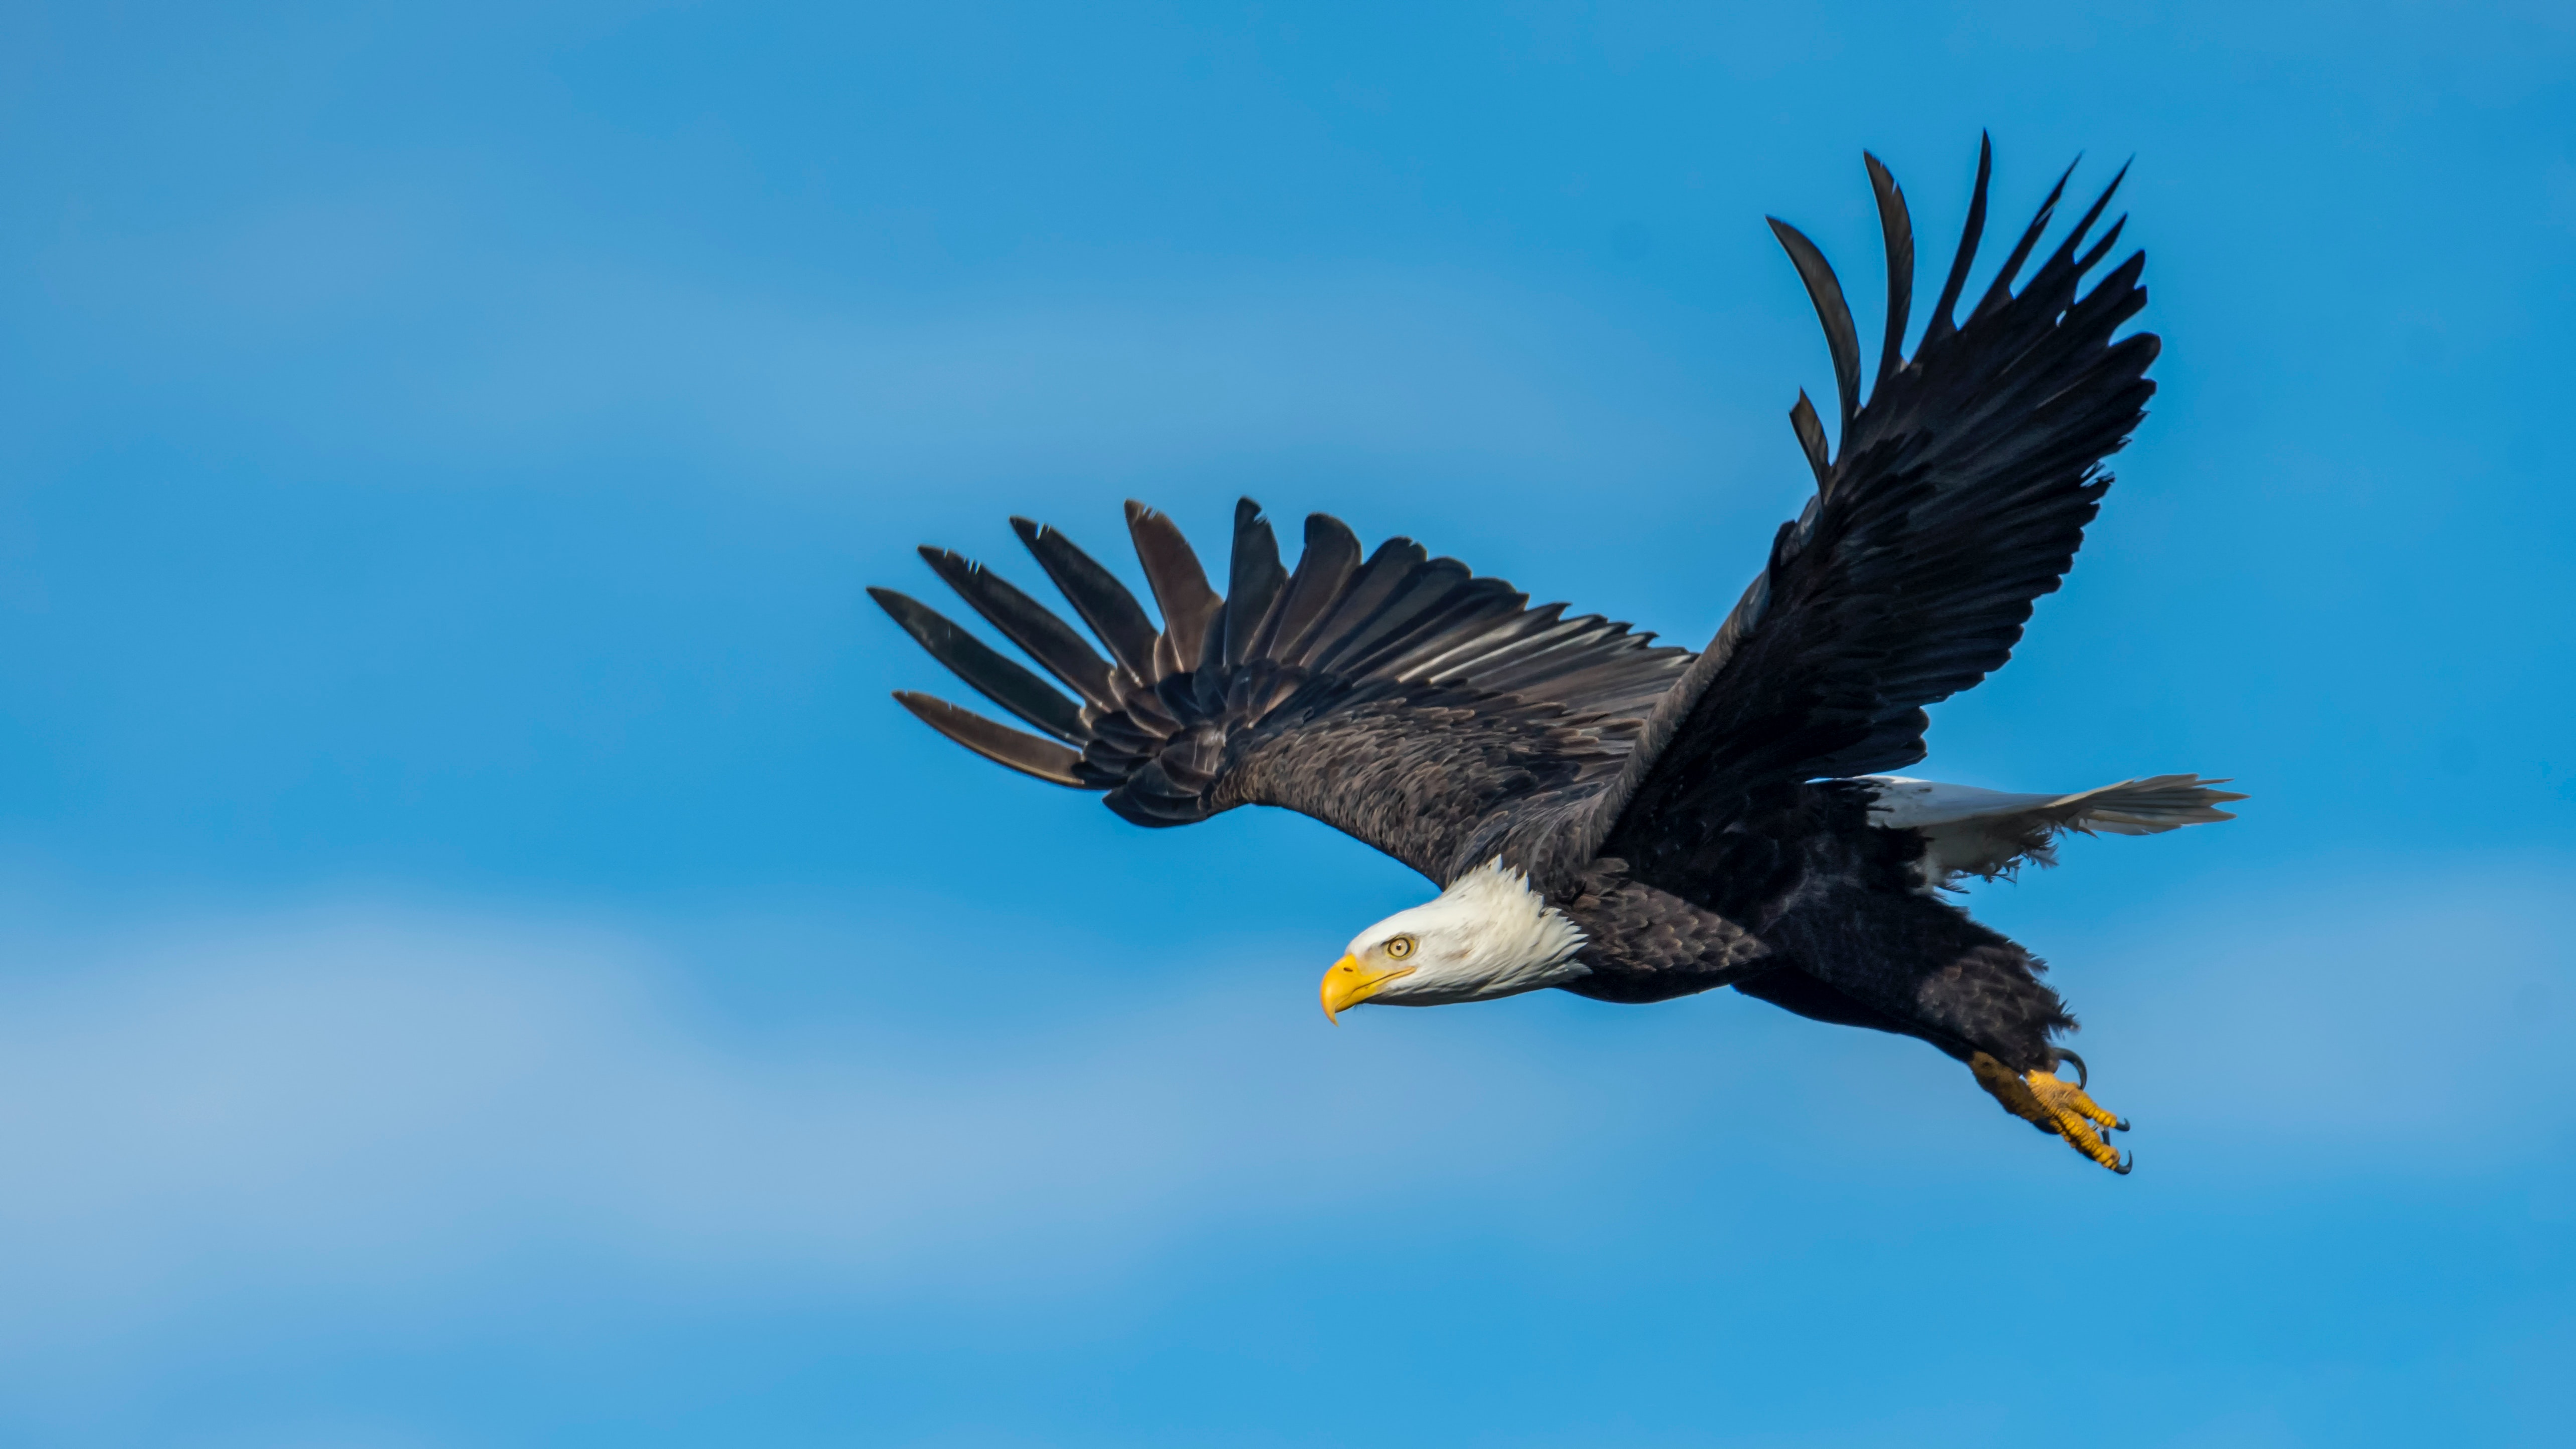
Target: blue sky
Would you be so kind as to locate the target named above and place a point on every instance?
(482, 962)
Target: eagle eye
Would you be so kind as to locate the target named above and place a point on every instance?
(1399, 948)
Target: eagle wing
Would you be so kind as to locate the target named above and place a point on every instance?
(1961, 495)
(1396, 697)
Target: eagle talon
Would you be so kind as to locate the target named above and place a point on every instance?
(2083, 1076)
(2057, 1106)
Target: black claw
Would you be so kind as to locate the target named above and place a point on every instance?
(2125, 1163)
(2120, 1126)
(2083, 1078)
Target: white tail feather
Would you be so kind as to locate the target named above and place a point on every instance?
(1987, 833)
(2150, 806)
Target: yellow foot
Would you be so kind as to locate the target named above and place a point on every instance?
(2053, 1104)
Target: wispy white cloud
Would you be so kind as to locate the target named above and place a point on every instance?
(377, 1102)
(397, 1106)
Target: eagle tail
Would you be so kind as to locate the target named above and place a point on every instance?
(2150, 806)
(1991, 833)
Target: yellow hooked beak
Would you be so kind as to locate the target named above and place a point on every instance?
(1349, 983)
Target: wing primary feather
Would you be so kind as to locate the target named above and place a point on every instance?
(1370, 587)
(1826, 291)
(1324, 569)
(1942, 323)
(1488, 646)
(1253, 581)
(2102, 248)
(1447, 618)
(996, 678)
(1096, 595)
(2000, 290)
(1001, 744)
(2065, 252)
(1423, 589)
(1049, 640)
(1180, 586)
(1811, 436)
(1896, 225)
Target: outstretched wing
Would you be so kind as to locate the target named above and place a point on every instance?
(1397, 698)
(1960, 496)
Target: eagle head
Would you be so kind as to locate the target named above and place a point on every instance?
(1487, 935)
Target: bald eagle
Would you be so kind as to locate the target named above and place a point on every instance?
(1627, 821)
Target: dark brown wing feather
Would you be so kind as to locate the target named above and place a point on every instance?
(1961, 495)
(1024, 752)
(1429, 712)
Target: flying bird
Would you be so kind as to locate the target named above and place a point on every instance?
(1634, 822)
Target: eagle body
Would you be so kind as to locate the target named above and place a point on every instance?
(1630, 821)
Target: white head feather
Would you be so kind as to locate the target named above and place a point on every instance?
(1487, 935)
